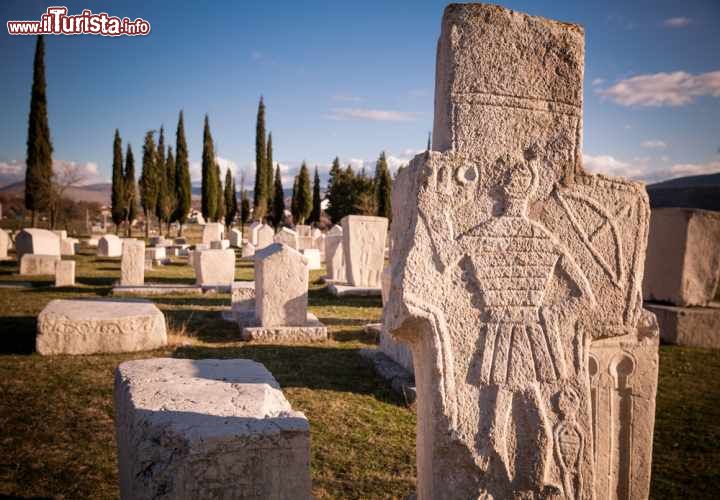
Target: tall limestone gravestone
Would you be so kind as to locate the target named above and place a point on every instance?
(508, 260)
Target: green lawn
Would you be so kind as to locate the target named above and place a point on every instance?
(56, 417)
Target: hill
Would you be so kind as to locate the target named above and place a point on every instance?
(694, 191)
(99, 193)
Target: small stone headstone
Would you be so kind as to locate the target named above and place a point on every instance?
(65, 273)
(334, 261)
(281, 284)
(36, 241)
(212, 231)
(132, 264)
(287, 237)
(364, 249)
(109, 245)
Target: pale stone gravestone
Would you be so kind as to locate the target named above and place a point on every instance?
(214, 267)
(36, 241)
(287, 237)
(508, 259)
(109, 245)
(68, 246)
(364, 249)
(212, 231)
(235, 238)
(36, 265)
(265, 235)
(389, 345)
(281, 299)
(305, 236)
(4, 244)
(253, 232)
(210, 429)
(334, 261)
(248, 250)
(682, 266)
(156, 254)
(92, 242)
(64, 273)
(132, 264)
(313, 258)
(97, 326)
(220, 244)
(242, 300)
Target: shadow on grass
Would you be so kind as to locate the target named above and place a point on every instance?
(321, 297)
(150, 278)
(18, 334)
(313, 367)
(354, 335)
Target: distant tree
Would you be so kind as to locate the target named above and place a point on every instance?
(219, 214)
(161, 175)
(294, 202)
(316, 201)
(303, 195)
(269, 171)
(209, 180)
(363, 201)
(260, 199)
(70, 175)
(429, 147)
(333, 191)
(149, 182)
(131, 197)
(182, 176)
(230, 199)
(166, 201)
(383, 187)
(278, 206)
(117, 201)
(38, 162)
(244, 202)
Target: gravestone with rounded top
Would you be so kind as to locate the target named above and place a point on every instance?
(109, 245)
(36, 241)
(288, 237)
(334, 261)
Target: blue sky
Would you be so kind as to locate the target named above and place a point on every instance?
(350, 79)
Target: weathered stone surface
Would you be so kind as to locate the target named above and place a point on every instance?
(682, 266)
(64, 273)
(242, 298)
(67, 246)
(4, 244)
(220, 244)
(212, 231)
(688, 326)
(35, 265)
(248, 250)
(389, 345)
(265, 235)
(305, 237)
(253, 229)
(36, 241)
(235, 237)
(156, 253)
(160, 241)
(210, 429)
(281, 283)
(132, 264)
(97, 326)
(214, 267)
(313, 258)
(334, 261)
(364, 249)
(109, 245)
(311, 331)
(623, 382)
(507, 260)
(287, 237)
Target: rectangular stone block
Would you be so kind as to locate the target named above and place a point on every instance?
(334, 261)
(209, 429)
(34, 265)
(682, 265)
(242, 296)
(212, 231)
(214, 267)
(64, 273)
(364, 249)
(67, 246)
(265, 235)
(4, 244)
(132, 264)
(688, 326)
(220, 244)
(235, 237)
(109, 245)
(287, 237)
(281, 284)
(313, 258)
(36, 241)
(156, 253)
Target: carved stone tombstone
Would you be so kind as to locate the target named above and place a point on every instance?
(132, 264)
(508, 260)
(364, 249)
(334, 261)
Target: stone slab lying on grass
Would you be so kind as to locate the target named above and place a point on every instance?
(208, 429)
(311, 331)
(345, 290)
(64, 273)
(100, 326)
(157, 289)
(37, 265)
(688, 326)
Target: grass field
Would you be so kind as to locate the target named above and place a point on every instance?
(56, 417)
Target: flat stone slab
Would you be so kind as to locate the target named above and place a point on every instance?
(100, 326)
(208, 429)
(345, 290)
(312, 331)
(688, 326)
(401, 380)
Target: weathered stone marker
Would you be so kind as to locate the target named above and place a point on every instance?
(507, 260)
(64, 273)
(109, 245)
(214, 267)
(364, 249)
(334, 261)
(36, 241)
(265, 236)
(212, 231)
(287, 237)
(208, 429)
(132, 264)
(32, 264)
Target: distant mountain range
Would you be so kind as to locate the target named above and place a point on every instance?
(99, 193)
(694, 191)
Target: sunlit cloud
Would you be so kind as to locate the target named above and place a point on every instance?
(663, 89)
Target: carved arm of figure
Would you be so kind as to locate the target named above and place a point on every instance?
(574, 304)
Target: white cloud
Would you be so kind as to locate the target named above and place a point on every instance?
(677, 22)
(653, 144)
(644, 169)
(379, 115)
(597, 81)
(85, 173)
(663, 89)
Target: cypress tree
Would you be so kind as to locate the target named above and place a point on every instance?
(38, 162)
(182, 176)
(269, 170)
(210, 178)
(244, 202)
(161, 176)
(117, 202)
(230, 199)
(261, 194)
(316, 208)
(303, 194)
(383, 187)
(130, 190)
(166, 204)
(278, 205)
(149, 183)
(294, 202)
(333, 188)
(219, 215)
